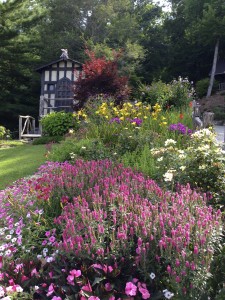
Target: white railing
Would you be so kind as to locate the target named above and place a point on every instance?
(27, 127)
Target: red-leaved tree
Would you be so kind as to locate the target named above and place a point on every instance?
(100, 76)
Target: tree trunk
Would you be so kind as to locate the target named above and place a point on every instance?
(213, 69)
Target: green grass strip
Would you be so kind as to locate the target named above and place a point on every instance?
(19, 162)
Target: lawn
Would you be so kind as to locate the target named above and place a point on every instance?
(19, 161)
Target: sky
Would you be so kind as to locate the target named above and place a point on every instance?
(163, 2)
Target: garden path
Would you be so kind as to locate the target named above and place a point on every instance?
(220, 131)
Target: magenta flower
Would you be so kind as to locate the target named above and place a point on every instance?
(130, 289)
(108, 287)
(93, 298)
(56, 298)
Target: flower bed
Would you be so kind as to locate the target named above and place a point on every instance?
(98, 230)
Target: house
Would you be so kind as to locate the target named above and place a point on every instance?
(57, 80)
(220, 74)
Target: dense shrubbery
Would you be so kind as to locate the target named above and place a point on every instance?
(58, 123)
(130, 239)
(178, 93)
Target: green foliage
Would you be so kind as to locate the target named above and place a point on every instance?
(58, 123)
(2, 132)
(72, 149)
(157, 92)
(219, 113)
(47, 139)
(202, 86)
(177, 93)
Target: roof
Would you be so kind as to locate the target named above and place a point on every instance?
(220, 67)
(54, 62)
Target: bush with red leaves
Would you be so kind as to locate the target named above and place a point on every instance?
(100, 76)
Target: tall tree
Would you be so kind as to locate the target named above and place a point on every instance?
(19, 54)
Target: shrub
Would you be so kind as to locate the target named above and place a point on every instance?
(157, 92)
(178, 93)
(201, 163)
(202, 87)
(99, 230)
(71, 149)
(58, 123)
(100, 76)
(47, 139)
(4, 133)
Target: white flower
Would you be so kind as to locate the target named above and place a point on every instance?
(19, 289)
(11, 231)
(168, 294)
(8, 252)
(170, 142)
(160, 158)
(168, 176)
(83, 147)
(2, 293)
(49, 259)
(14, 240)
(202, 167)
(182, 168)
(152, 275)
(2, 248)
(45, 250)
(8, 237)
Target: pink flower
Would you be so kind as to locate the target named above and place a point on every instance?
(76, 273)
(70, 279)
(50, 290)
(56, 298)
(130, 289)
(93, 298)
(145, 293)
(108, 287)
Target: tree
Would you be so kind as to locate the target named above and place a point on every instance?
(19, 54)
(100, 76)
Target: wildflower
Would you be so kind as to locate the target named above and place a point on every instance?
(145, 293)
(182, 168)
(56, 298)
(170, 142)
(152, 275)
(130, 289)
(168, 294)
(50, 290)
(93, 298)
(168, 176)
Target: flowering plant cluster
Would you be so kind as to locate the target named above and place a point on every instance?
(201, 163)
(98, 230)
(180, 128)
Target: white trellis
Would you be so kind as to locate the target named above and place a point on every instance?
(27, 127)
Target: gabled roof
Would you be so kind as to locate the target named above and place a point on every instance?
(220, 67)
(55, 62)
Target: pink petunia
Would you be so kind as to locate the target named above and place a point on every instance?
(93, 298)
(56, 298)
(76, 273)
(130, 289)
(50, 290)
(145, 293)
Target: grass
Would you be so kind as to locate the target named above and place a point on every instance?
(20, 161)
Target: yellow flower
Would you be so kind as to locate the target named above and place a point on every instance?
(138, 103)
(121, 118)
(145, 117)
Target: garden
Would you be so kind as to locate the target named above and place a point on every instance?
(128, 205)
